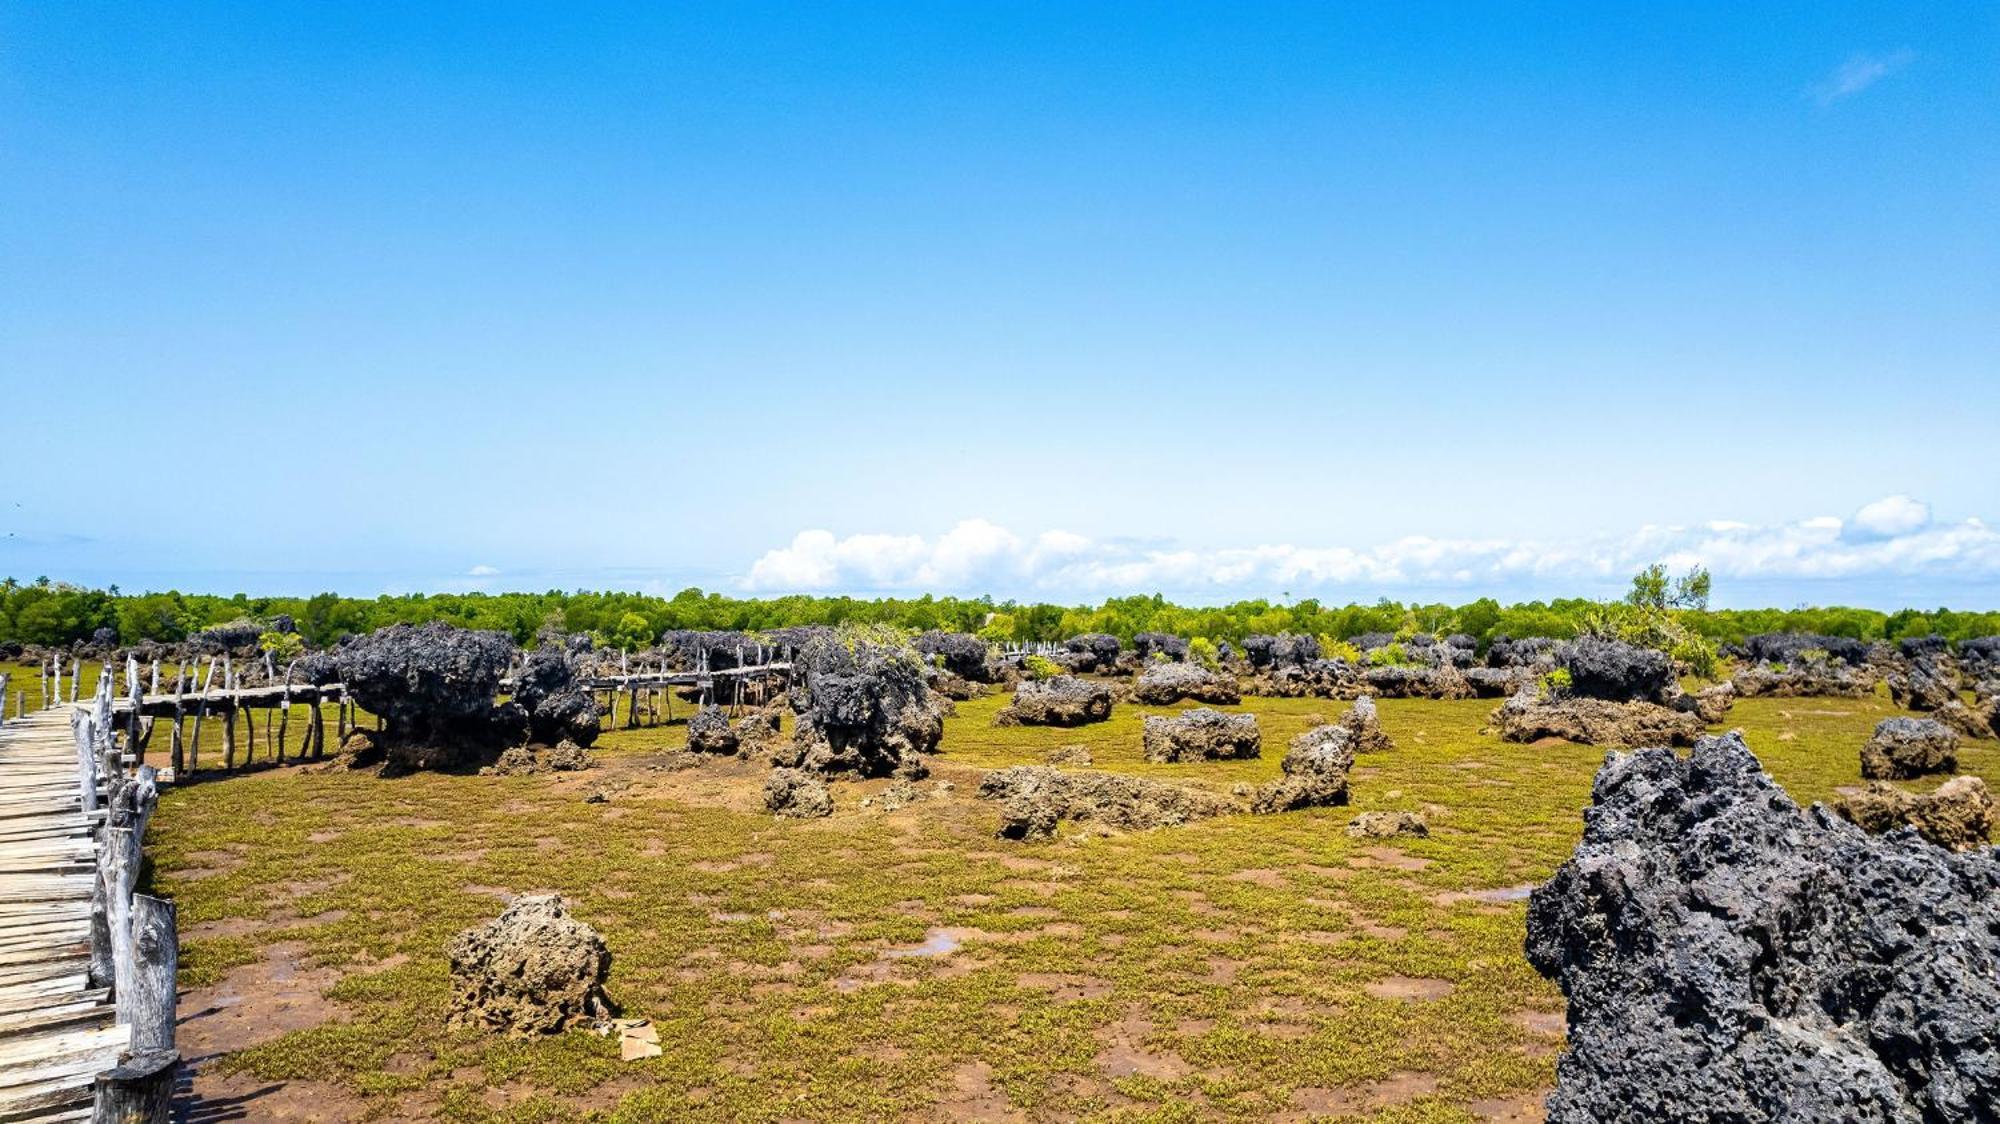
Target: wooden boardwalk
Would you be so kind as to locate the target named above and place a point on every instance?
(56, 1031)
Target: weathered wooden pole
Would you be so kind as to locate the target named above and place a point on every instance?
(139, 1091)
(155, 959)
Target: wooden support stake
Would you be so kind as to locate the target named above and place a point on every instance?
(139, 1091)
(155, 959)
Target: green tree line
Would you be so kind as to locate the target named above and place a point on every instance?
(54, 613)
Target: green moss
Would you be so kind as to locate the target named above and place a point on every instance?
(1239, 948)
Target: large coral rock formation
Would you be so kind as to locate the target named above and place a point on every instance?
(559, 704)
(1957, 815)
(1315, 772)
(433, 687)
(1164, 684)
(960, 653)
(1729, 958)
(709, 731)
(1612, 669)
(1034, 797)
(1093, 651)
(1531, 716)
(864, 708)
(1927, 684)
(1902, 748)
(532, 970)
(1398, 682)
(1060, 700)
(1204, 734)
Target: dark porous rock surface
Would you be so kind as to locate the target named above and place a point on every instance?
(1902, 748)
(557, 699)
(1034, 797)
(709, 731)
(1531, 716)
(864, 708)
(1395, 682)
(1315, 772)
(1612, 669)
(1533, 652)
(1279, 651)
(961, 653)
(1093, 651)
(1727, 957)
(1162, 644)
(433, 687)
(1163, 684)
(1060, 700)
(1925, 685)
(1201, 735)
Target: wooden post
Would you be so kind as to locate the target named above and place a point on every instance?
(228, 715)
(138, 698)
(180, 710)
(200, 712)
(285, 715)
(155, 959)
(139, 1091)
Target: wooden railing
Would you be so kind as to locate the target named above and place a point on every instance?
(134, 946)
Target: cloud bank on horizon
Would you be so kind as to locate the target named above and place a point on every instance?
(1894, 537)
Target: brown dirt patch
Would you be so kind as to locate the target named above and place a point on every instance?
(207, 1095)
(1065, 988)
(255, 1003)
(1125, 1053)
(1512, 1110)
(1348, 1100)
(973, 1096)
(1409, 988)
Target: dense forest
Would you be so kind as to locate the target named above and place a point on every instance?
(54, 613)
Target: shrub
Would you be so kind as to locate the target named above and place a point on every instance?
(1556, 684)
(1039, 667)
(1203, 651)
(283, 646)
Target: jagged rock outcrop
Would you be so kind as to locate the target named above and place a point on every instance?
(1163, 684)
(1790, 648)
(433, 687)
(1201, 735)
(1163, 645)
(1729, 958)
(1315, 769)
(960, 653)
(559, 705)
(1060, 700)
(863, 707)
(1903, 748)
(709, 731)
(532, 970)
(1818, 679)
(1091, 652)
(1925, 684)
(1388, 825)
(1710, 704)
(1284, 650)
(1497, 682)
(1364, 727)
(1613, 670)
(1533, 653)
(1034, 797)
(1957, 815)
(1533, 715)
(1400, 682)
(796, 794)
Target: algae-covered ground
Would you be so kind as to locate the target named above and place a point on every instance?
(909, 965)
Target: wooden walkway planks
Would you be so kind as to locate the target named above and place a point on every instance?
(56, 1031)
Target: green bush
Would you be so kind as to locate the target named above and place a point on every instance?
(1556, 684)
(1040, 667)
(1203, 651)
(283, 646)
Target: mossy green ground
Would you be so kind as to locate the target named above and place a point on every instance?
(1217, 970)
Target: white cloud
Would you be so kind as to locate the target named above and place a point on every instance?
(483, 571)
(1892, 537)
(1889, 517)
(1857, 74)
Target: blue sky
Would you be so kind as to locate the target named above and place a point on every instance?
(1054, 300)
